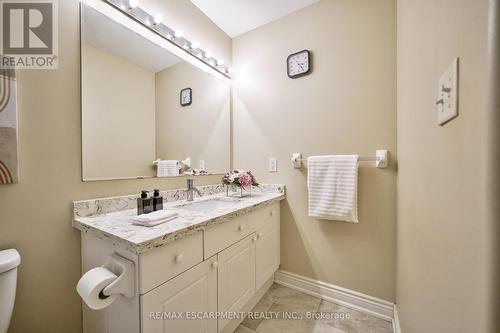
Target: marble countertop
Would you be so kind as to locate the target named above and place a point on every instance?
(117, 226)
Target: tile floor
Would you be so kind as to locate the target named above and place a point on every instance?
(281, 302)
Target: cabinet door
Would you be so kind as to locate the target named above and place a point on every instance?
(267, 250)
(194, 291)
(236, 279)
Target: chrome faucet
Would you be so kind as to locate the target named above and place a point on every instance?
(191, 189)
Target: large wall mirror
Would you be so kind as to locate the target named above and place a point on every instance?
(141, 103)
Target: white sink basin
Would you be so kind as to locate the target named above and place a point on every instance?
(209, 205)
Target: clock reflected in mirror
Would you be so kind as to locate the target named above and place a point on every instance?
(298, 64)
(186, 96)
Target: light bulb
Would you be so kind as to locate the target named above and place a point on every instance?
(169, 36)
(147, 22)
(157, 19)
(195, 45)
(199, 55)
(208, 54)
(178, 34)
(220, 62)
(186, 46)
(133, 3)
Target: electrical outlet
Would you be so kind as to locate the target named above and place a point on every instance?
(273, 165)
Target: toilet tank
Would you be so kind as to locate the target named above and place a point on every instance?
(9, 260)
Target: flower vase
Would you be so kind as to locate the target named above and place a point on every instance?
(236, 191)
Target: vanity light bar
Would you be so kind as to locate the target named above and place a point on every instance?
(154, 22)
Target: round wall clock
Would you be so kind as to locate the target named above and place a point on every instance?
(186, 96)
(298, 64)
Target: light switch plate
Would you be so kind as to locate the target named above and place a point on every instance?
(273, 165)
(447, 103)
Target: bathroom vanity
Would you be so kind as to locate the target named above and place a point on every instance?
(197, 272)
(192, 274)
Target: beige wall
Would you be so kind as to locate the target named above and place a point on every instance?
(184, 15)
(118, 117)
(346, 106)
(442, 274)
(201, 130)
(35, 215)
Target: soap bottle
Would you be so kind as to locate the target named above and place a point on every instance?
(157, 200)
(144, 204)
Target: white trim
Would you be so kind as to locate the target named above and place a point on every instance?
(335, 294)
(395, 321)
(119, 17)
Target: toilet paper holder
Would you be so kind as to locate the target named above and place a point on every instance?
(124, 270)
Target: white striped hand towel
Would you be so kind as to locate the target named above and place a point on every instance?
(332, 182)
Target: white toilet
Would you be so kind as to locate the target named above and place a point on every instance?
(9, 260)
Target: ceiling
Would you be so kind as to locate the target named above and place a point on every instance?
(235, 17)
(112, 37)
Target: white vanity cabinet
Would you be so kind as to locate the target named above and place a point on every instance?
(248, 264)
(184, 285)
(240, 256)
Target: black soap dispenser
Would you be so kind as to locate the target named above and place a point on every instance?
(157, 200)
(144, 204)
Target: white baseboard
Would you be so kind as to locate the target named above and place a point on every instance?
(335, 294)
(395, 321)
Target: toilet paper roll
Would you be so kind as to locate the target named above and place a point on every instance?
(91, 285)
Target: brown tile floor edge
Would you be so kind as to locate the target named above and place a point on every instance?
(286, 310)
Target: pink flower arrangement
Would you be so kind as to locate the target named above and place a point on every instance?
(239, 178)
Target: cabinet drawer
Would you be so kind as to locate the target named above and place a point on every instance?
(224, 235)
(168, 261)
(269, 214)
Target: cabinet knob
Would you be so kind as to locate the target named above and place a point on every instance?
(241, 227)
(215, 264)
(259, 235)
(179, 258)
(254, 239)
(271, 213)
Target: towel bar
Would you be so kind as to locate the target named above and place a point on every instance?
(380, 159)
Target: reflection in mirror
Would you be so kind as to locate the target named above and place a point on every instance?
(137, 108)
